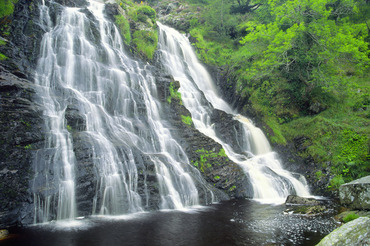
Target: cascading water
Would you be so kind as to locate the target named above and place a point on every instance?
(271, 183)
(83, 66)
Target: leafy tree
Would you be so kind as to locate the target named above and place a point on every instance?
(311, 45)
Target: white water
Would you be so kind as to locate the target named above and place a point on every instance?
(82, 63)
(271, 183)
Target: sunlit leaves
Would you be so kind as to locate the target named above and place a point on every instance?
(308, 42)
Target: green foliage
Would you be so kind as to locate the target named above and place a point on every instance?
(319, 175)
(145, 12)
(216, 177)
(222, 153)
(187, 120)
(304, 67)
(173, 94)
(350, 216)
(124, 27)
(145, 42)
(232, 188)
(3, 57)
(28, 147)
(311, 54)
(69, 128)
(205, 158)
(7, 7)
(336, 182)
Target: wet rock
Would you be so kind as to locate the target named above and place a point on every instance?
(173, 14)
(23, 39)
(297, 200)
(111, 10)
(75, 120)
(229, 129)
(21, 135)
(218, 170)
(307, 210)
(356, 194)
(354, 233)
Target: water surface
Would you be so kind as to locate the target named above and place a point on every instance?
(236, 222)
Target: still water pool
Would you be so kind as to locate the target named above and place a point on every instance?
(236, 222)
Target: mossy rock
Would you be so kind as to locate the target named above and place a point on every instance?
(353, 233)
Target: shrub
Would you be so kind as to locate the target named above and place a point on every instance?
(124, 28)
(7, 7)
(145, 12)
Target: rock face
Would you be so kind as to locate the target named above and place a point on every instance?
(356, 194)
(23, 39)
(354, 233)
(21, 134)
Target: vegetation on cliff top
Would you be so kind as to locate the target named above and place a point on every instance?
(304, 68)
(6, 9)
(137, 24)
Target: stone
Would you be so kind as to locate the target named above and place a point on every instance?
(307, 210)
(356, 194)
(359, 213)
(297, 200)
(354, 233)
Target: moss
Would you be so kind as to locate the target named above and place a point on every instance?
(222, 153)
(69, 128)
(173, 94)
(187, 120)
(350, 216)
(232, 188)
(3, 57)
(145, 42)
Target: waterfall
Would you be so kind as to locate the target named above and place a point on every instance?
(83, 68)
(271, 183)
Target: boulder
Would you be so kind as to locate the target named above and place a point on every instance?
(297, 200)
(356, 194)
(354, 233)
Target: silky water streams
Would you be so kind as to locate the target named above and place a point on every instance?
(83, 70)
(271, 183)
(109, 154)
